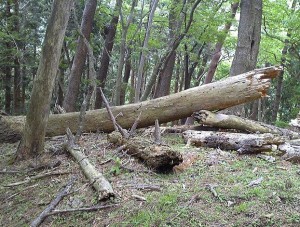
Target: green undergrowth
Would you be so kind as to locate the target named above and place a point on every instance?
(183, 199)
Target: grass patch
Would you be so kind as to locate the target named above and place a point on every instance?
(183, 199)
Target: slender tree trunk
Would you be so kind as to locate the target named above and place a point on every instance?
(23, 93)
(249, 33)
(276, 103)
(7, 87)
(17, 67)
(177, 76)
(106, 52)
(80, 57)
(8, 69)
(144, 52)
(125, 28)
(218, 48)
(187, 76)
(17, 87)
(33, 137)
(165, 75)
(126, 77)
(164, 80)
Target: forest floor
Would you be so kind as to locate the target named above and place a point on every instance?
(214, 191)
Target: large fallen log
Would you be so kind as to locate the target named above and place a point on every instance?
(243, 143)
(214, 96)
(234, 122)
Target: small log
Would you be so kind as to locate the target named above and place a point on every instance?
(292, 150)
(295, 123)
(243, 143)
(53, 204)
(233, 122)
(100, 184)
(161, 158)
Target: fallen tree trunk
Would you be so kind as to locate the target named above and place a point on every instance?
(243, 143)
(233, 122)
(214, 96)
(97, 180)
(159, 157)
(295, 123)
(292, 150)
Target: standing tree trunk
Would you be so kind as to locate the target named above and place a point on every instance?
(125, 28)
(7, 70)
(17, 67)
(276, 103)
(165, 75)
(217, 53)
(108, 46)
(249, 33)
(80, 57)
(126, 77)
(144, 53)
(33, 137)
(7, 87)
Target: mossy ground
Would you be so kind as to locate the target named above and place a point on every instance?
(182, 199)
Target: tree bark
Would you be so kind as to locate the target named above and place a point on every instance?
(17, 65)
(144, 52)
(233, 122)
(125, 28)
(8, 59)
(214, 96)
(7, 87)
(126, 77)
(160, 158)
(108, 46)
(243, 143)
(218, 48)
(97, 180)
(37, 117)
(80, 57)
(249, 33)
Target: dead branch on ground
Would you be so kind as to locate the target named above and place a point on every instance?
(100, 184)
(36, 222)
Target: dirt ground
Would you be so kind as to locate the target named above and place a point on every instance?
(219, 188)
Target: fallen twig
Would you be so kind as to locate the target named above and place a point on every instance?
(87, 209)
(211, 188)
(23, 189)
(53, 204)
(138, 197)
(255, 182)
(29, 179)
